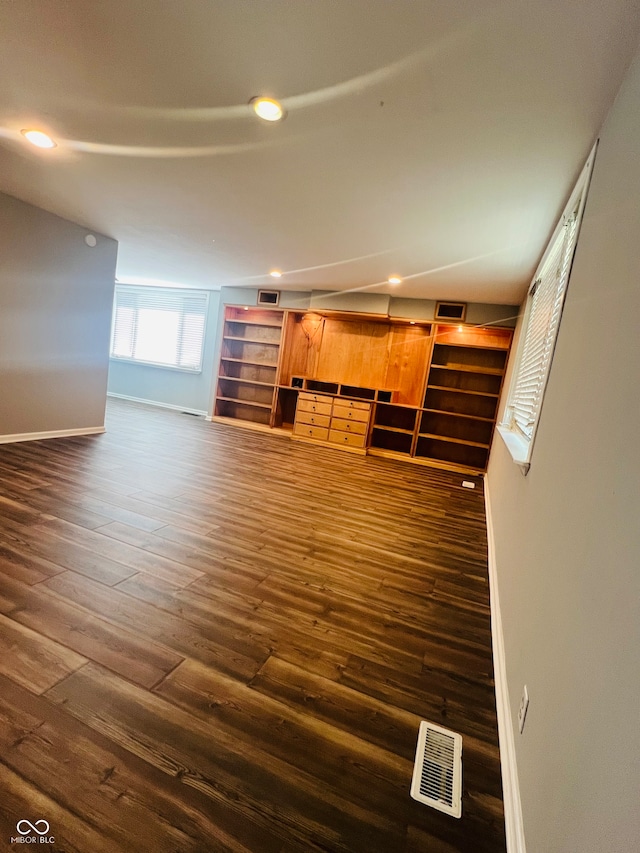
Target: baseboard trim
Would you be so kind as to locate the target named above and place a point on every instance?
(52, 433)
(510, 786)
(158, 404)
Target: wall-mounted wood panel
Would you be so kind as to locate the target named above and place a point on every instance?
(358, 352)
(302, 341)
(409, 347)
(354, 352)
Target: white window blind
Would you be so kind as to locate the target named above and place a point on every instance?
(546, 298)
(543, 312)
(159, 325)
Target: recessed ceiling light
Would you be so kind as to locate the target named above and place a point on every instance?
(275, 274)
(38, 138)
(459, 328)
(267, 108)
(394, 279)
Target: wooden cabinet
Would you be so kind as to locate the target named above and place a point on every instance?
(249, 361)
(313, 416)
(337, 420)
(416, 391)
(453, 427)
(461, 399)
(394, 427)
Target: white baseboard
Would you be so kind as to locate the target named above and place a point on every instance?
(52, 433)
(510, 786)
(158, 404)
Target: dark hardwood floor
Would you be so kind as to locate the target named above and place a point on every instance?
(213, 639)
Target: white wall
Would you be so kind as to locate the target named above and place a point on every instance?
(173, 388)
(55, 313)
(567, 536)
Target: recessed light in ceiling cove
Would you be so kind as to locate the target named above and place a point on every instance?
(275, 274)
(39, 138)
(267, 109)
(394, 279)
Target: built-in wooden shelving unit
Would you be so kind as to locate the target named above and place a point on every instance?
(462, 394)
(249, 360)
(431, 390)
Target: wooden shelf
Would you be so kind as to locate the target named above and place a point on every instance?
(253, 363)
(461, 390)
(246, 381)
(463, 456)
(477, 346)
(470, 368)
(393, 440)
(458, 415)
(251, 341)
(251, 403)
(393, 429)
(254, 323)
(440, 437)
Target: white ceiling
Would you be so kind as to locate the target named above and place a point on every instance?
(436, 140)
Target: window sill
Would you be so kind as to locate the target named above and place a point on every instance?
(518, 447)
(121, 360)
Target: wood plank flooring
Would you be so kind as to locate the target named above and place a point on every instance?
(213, 639)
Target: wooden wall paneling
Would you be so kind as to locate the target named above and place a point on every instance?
(409, 347)
(354, 352)
(301, 345)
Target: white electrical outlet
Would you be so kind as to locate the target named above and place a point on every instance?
(522, 710)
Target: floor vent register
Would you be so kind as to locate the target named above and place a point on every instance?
(437, 773)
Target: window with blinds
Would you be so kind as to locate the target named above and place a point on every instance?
(546, 298)
(544, 305)
(160, 326)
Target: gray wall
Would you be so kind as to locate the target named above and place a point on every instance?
(56, 295)
(567, 535)
(172, 388)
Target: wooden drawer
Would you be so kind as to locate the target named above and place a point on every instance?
(351, 413)
(349, 439)
(312, 419)
(319, 433)
(353, 404)
(311, 406)
(356, 427)
(315, 398)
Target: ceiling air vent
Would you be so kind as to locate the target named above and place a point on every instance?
(451, 311)
(437, 772)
